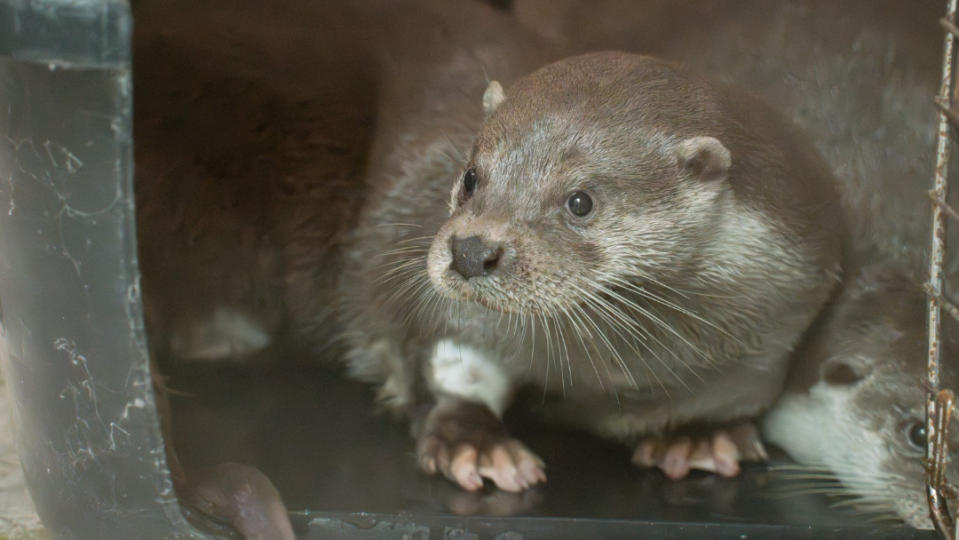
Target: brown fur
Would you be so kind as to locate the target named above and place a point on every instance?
(856, 392)
(614, 125)
(858, 76)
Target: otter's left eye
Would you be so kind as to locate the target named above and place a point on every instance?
(469, 182)
(579, 203)
(916, 434)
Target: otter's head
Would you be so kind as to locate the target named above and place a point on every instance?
(861, 413)
(592, 172)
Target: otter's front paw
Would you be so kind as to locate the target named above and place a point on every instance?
(467, 443)
(719, 451)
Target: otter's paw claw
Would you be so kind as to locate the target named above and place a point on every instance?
(508, 463)
(719, 451)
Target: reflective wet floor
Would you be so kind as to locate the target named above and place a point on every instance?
(345, 471)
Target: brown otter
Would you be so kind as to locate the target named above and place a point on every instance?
(252, 127)
(621, 233)
(858, 76)
(854, 404)
(247, 121)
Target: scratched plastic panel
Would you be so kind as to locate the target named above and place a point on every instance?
(71, 330)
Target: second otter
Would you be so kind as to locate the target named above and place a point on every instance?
(647, 245)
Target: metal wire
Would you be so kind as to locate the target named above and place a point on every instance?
(938, 405)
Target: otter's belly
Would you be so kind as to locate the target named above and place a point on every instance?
(625, 412)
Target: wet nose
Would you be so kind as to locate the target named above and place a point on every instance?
(472, 257)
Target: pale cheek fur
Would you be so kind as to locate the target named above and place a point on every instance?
(854, 452)
(657, 236)
(746, 237)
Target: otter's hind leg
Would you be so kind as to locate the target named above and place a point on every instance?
(718, 450)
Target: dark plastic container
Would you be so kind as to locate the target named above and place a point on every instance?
(70, 312)
(72, 337)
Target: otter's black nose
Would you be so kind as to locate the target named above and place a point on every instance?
(472, 257)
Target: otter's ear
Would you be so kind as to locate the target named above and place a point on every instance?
(492, 97)
(704, 157)
(846, 371)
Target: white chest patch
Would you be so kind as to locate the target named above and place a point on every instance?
(468, 373)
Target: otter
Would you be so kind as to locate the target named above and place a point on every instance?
(854, 404)
(253, 127)
(883, 57)
(644, 244)
(856, 76)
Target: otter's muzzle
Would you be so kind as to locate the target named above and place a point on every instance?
(473, 257)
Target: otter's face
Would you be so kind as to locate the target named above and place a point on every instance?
(886, 416)
(554, 208)
(866, 426)
(898, 479)
(863, 417)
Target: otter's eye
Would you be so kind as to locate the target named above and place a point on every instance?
(579, 203)
(916, 433)
(469, 182)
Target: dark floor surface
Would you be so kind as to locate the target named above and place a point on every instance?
(345, 472)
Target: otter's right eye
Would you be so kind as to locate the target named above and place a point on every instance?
(916, 434)
(469, 183)
(579, 203)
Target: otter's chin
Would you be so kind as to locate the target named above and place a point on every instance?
(455, 287)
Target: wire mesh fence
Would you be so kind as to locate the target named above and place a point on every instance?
(940, 401)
